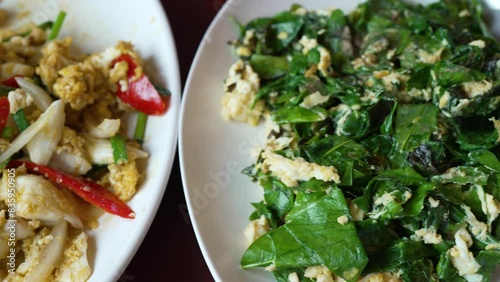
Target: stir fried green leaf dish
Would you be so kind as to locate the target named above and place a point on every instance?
(381, 160)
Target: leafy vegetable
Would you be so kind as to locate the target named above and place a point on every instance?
(313, 234)
(402, 102)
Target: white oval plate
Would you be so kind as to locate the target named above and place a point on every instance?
(95, 25)
(213, 151)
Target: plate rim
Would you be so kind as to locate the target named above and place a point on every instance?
(187, 89)
(183, 113)
(137, 238)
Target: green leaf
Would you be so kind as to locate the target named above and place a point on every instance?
(375, 235)
(269, 67)
(279, 198)
(298, 115)
(401, 251)
(445, 268)
(312, 236)
(416, 203)
(462, 175)
(486, 158)
(386, 126)
(489, 261)
(261, 209)
(449, 74)
(414, 125)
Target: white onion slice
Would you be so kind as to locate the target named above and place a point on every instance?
(100, 151)
(25, 136)
(40, 97)
(50, 255)
(70, 163)
(44, 143)
(107, 128)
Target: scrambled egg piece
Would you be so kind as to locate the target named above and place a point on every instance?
(56, 56)
(256, 228)
(242, 86)
(291, 171)
(74, 265)
(71, 142)
(293, 277)
(80, 85)
(70, 155)
(313, 100)
(20, 49)
(381, 277)
(321, 273)
(429, 236)
(462, 259)
(117, 74)
(123, 179)
(18, 99)
(38, 199)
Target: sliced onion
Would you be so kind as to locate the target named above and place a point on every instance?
(101, 152)
(23, 229)
(50, 255)
(70, 163)
(25, 136)
(107, 128)
(40, 97)
(8, 70)
(44, 143)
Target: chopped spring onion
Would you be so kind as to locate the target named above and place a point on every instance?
(46, 25)
(54, 32)
(119, 149)
(7, 132)
(21, 121)
(38, 81)
(140, 127)
(162, 90)
(100, 151)
(4, 164)
(4, 90)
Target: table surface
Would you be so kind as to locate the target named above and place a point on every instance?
(170, 251)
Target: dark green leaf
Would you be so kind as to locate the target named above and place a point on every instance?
(313, 234)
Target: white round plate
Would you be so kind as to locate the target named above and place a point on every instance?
(214, 151)
(95, 25)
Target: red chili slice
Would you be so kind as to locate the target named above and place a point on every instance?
(11, 81)
(4, 112)
(141, 93)
(87, 190)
